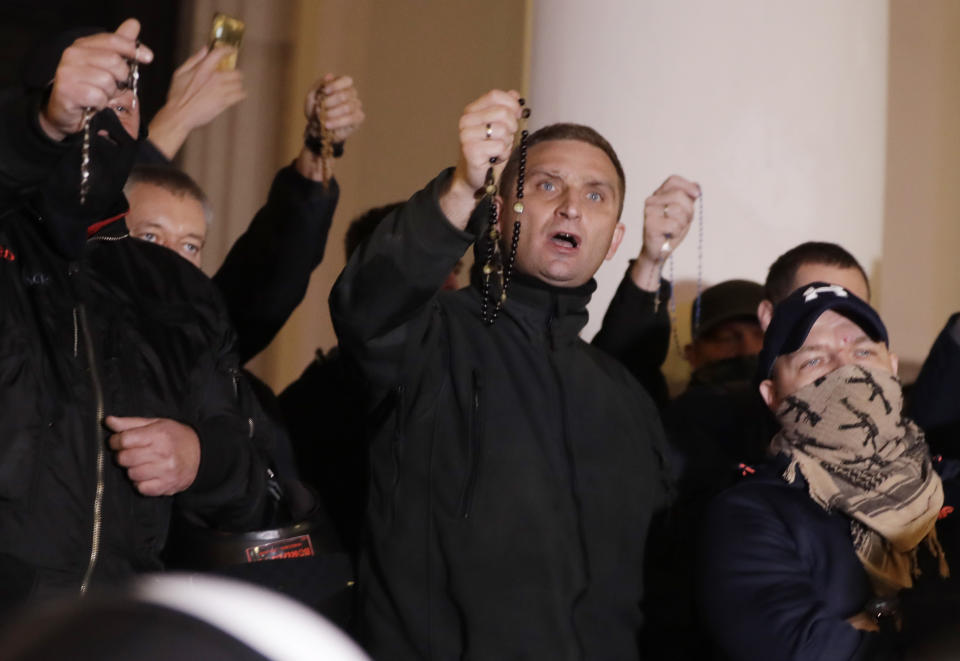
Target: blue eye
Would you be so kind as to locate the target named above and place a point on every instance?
(547, 186)
(594, 196)
(149, 236)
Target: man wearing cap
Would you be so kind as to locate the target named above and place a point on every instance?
(806, 559)
(712, 427)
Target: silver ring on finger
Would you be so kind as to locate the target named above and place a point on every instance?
(489, 131)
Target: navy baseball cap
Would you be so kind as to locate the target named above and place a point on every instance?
(794, 316)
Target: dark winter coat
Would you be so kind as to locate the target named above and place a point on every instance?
(779, 577)
(514, 482)
(127, 329)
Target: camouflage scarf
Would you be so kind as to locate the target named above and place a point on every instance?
(846, 435)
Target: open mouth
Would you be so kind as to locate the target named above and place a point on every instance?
(566, 240)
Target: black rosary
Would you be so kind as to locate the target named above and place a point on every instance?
(490, 306)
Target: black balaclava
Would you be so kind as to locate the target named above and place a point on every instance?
(111, 158)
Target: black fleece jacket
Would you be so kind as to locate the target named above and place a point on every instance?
(515, 478)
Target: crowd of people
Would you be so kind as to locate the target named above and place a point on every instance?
(484, 483)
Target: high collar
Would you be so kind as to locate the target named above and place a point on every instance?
(542, 309)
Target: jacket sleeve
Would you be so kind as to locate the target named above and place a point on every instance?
(266, 273)
(638, 335)
(230, 490)
(756, 595)
(27, 155)
(933, 399)
(385, 300)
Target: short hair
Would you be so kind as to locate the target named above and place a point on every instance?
(783, 271)
(173, 180)
(565, 132)
(363, 225)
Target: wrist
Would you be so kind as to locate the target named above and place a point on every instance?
(309, 165)
(167, 133)
(49, 128)
(457, 200)
(645, 273)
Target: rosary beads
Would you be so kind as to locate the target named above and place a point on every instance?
(319, 139)
(673, 299)
(493, 265)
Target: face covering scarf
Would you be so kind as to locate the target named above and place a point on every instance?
(846, 435)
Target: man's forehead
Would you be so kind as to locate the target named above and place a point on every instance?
(573, 157)
(848, 277)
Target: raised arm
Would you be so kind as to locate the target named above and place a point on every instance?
(267, 271)
(35, 130)
(384, 300)
(636, 326)
(199, 92)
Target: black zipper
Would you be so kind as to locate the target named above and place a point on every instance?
(474, 450)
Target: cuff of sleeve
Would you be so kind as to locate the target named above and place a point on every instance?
(148, 154)
(431, 226)
(218, 451)
(32, 142)
(290, 182)
(636, 296)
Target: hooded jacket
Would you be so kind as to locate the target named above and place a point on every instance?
(104, 326)
(514, 480)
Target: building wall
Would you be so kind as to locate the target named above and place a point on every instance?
(801, 120)
(416, 65)
(921, 271)
(776, 108)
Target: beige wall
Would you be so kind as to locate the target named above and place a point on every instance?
(417, 64)
(776, 108)
(921, 271)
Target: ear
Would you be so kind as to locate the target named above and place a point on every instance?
(768, 390)
(615, 241)
(894, 363)
(764, 314)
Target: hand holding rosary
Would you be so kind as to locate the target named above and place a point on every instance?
(132, 83)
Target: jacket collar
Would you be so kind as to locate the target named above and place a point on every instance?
(559, 313)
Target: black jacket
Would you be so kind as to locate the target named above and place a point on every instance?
(515, 479)
(779, 576)
(636, 331)
(126, 329)
(266, 273)
(933, 400)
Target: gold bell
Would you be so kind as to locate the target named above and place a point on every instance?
(491, 189)
(487, 269)
(518, 207)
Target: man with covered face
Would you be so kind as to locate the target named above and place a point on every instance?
(809, 558)
(117, 383)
